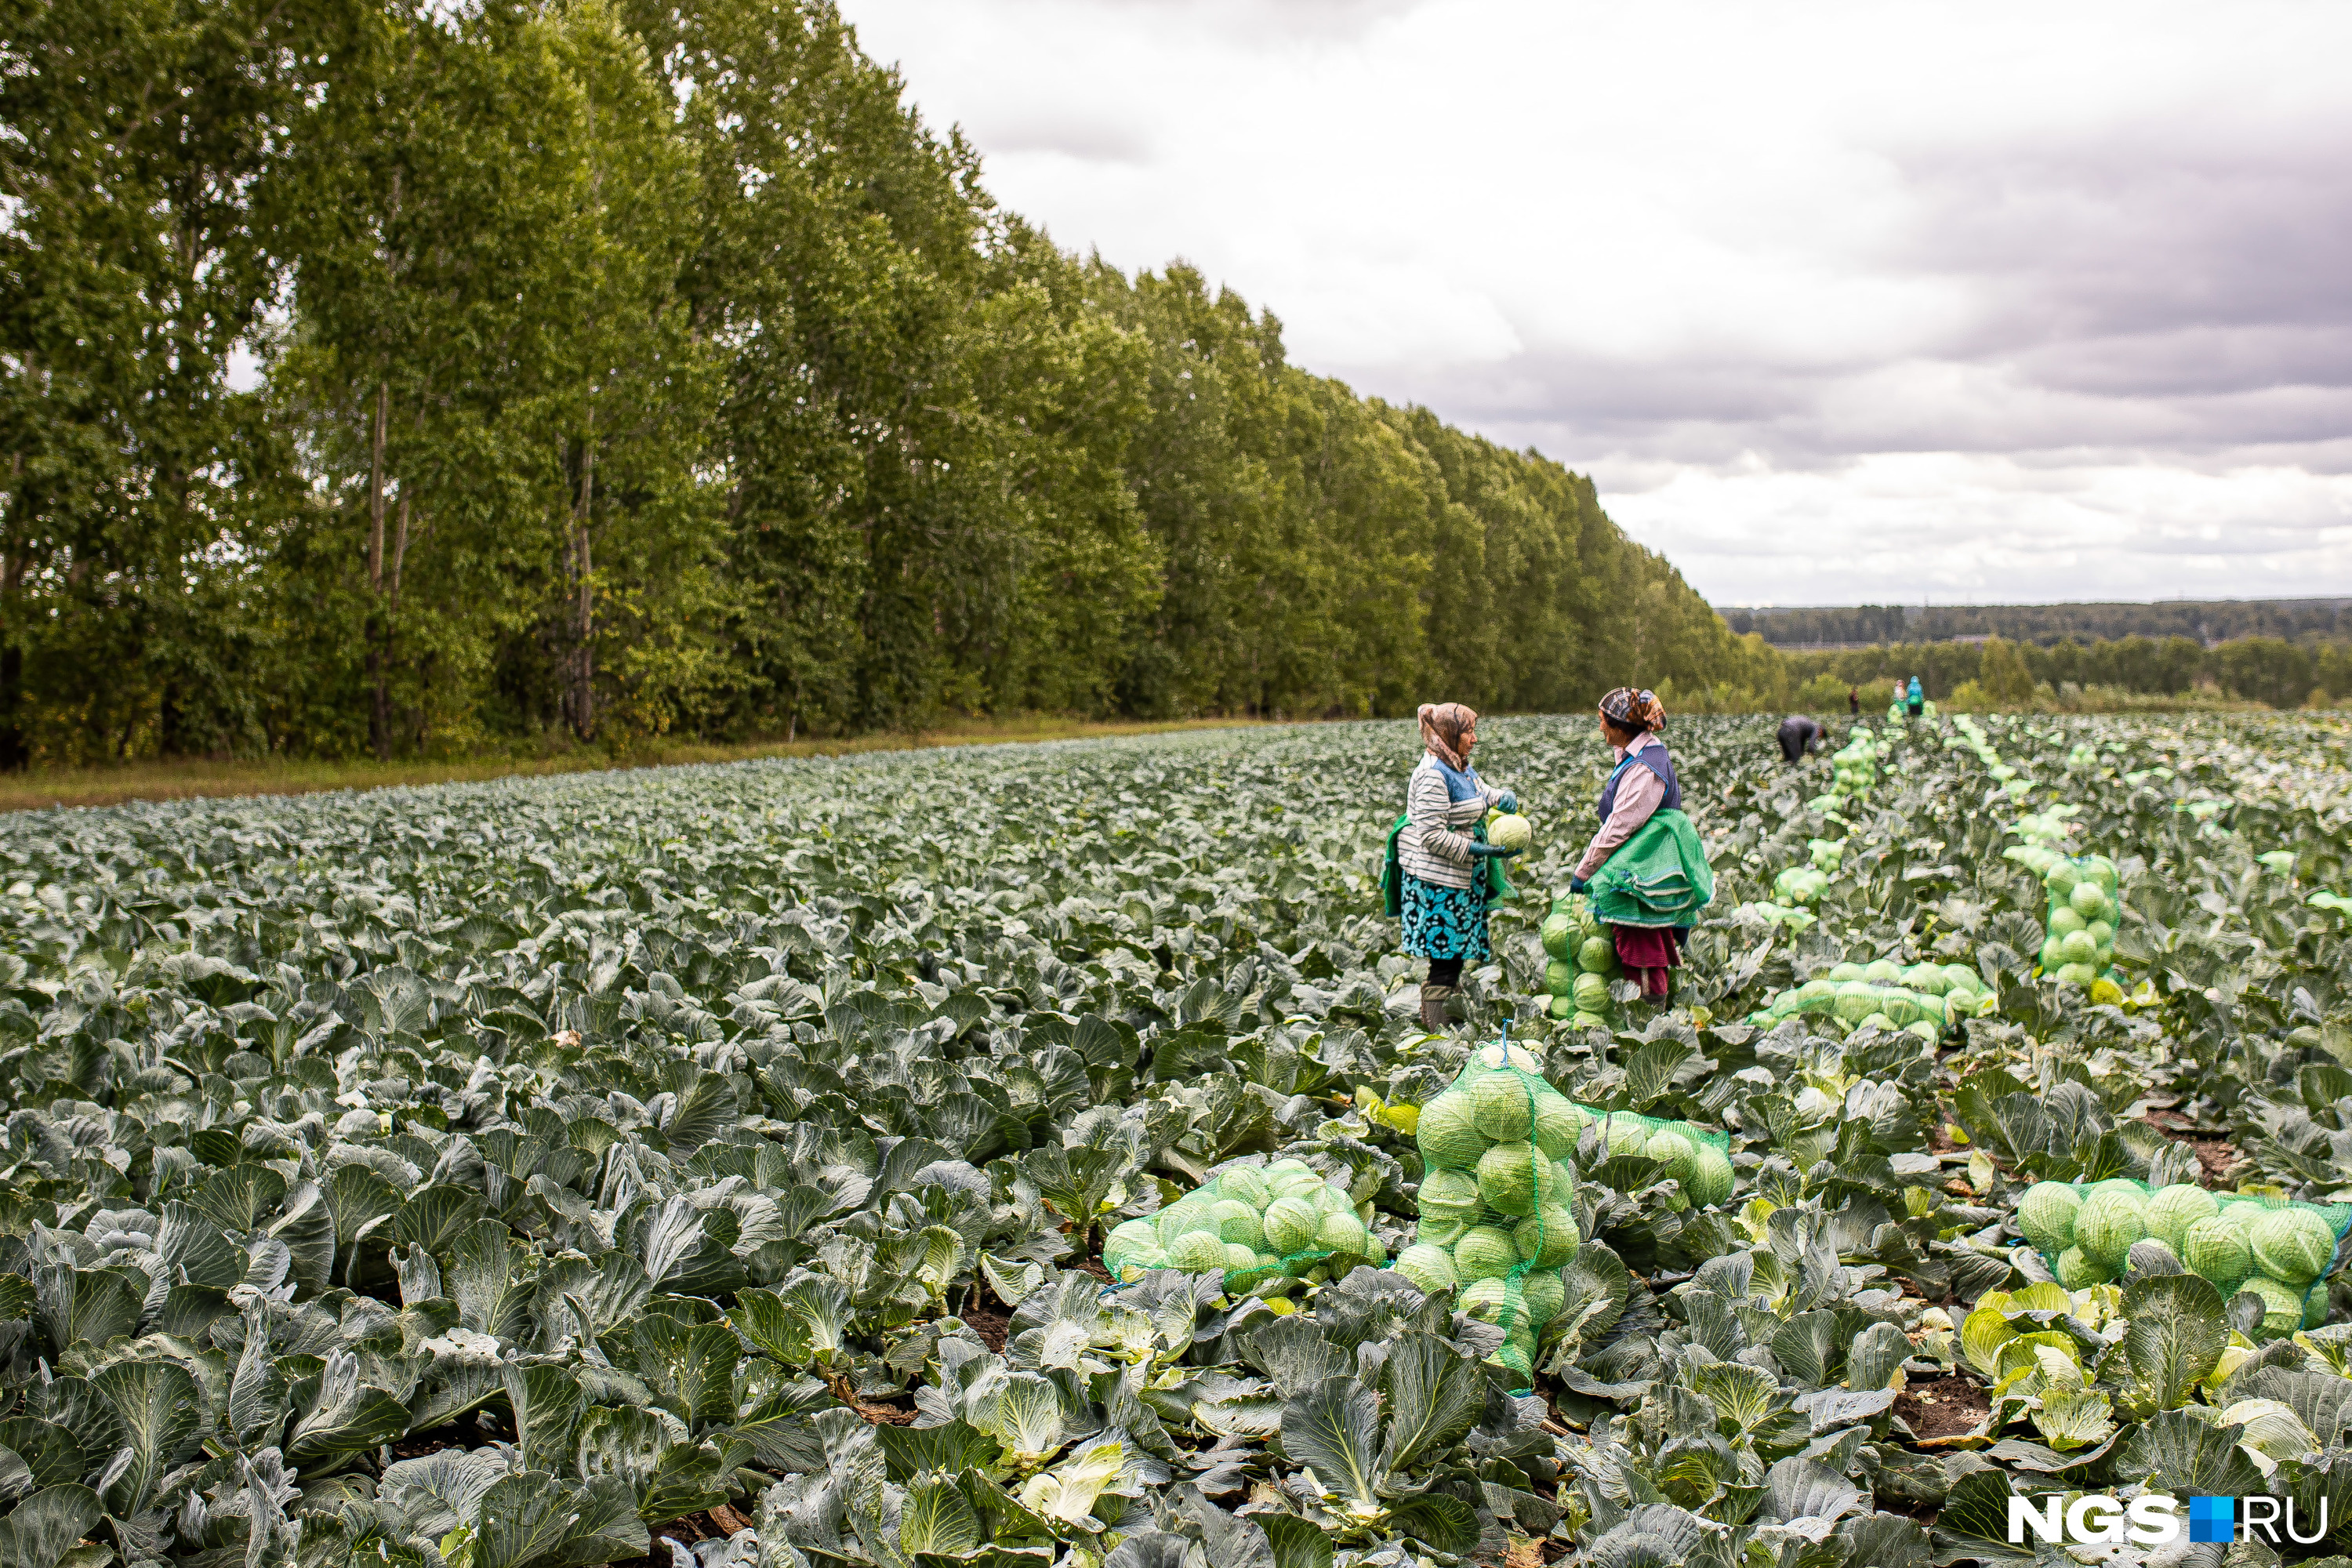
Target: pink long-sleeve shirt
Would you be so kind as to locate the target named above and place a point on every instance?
(1639, 794)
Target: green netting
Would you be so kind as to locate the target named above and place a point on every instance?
(1805, 884)
(1497, 1221)
(1256, 1223)
(2281, 1250)
(1631, 1132)
(1925, 998)
(1853, 768)
(1800, 884)
(2086, 897)
(1582, 960)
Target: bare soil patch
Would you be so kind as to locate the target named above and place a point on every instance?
(1947, 1407)
(2216, 1157)
(466, 1434)
(710, 1525)
(989, 1318)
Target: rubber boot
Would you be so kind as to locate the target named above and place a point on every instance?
(1433, 1002)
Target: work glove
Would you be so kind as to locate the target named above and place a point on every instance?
(1509, 804)
(1484, 850)
(1576, 884)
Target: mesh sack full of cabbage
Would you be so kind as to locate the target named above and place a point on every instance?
(2281, 1251)
(1581, 962)
(1254, 1223)
(2085, 896)
(1497, 1195)
(1925, 998)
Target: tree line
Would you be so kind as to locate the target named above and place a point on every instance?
(399, 378)
(1999, 672)
(2208, 622)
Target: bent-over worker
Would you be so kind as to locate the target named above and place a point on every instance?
(1799, 735)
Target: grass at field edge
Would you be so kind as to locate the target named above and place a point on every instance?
(196, 779)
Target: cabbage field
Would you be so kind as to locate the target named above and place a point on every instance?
(713, 1166)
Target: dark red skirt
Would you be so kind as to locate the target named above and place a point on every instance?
(1647, 953)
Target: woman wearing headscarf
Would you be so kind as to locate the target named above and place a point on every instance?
(1641, 785)
(1442, 852)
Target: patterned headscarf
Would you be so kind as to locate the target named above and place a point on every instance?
(1442, 725)
(1630, 710)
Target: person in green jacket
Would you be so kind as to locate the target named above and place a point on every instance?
(1642, 784)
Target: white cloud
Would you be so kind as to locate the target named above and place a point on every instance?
(1948, 527)
(1963, 297)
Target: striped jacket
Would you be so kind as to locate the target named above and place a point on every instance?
(1435, 843)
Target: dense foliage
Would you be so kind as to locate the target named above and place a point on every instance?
(626, 369)
(483, 1176)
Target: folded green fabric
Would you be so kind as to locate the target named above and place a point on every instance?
(1657, 878)
(1487, 874)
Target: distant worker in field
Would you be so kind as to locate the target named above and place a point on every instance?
(1854, 702)
(1916, 699)
(1645, 869)
(1447, 867)
(1798, 736)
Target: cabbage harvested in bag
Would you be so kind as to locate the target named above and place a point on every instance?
(1926, 999)
(2085, 905)
(1256, 1223)
(2281, 1251)
(1498, 1190)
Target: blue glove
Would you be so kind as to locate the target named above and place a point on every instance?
(1576, 884)
(1485, 850)
(1509, 804)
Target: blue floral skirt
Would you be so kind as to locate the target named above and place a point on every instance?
(1444, 922)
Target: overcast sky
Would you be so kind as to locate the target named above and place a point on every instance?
(1838, 302)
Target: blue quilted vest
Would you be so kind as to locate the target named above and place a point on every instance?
(1655, 757)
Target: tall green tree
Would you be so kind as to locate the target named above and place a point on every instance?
(497, 373)
(132, 269)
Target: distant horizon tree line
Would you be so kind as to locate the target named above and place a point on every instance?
(2207, 622)
(1999, 672)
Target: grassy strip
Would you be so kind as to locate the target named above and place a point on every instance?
(192, 778)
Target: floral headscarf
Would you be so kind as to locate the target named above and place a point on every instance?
(1630, 710)
(1442, 725)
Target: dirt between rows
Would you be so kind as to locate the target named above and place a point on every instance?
(711, 1524)
(1946, 1408)
(2216, 1156)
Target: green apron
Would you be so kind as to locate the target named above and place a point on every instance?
(1490, 872)
(1657, 878)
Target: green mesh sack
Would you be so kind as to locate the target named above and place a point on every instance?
(2085, 904)
(2255, 1242)
(1497, 1202)
(1256, 1223)
(1580, 960)
(1497, 1190)
(1853, 770)
(1697, 1157)
(1498, 1193)
(1928, 999)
